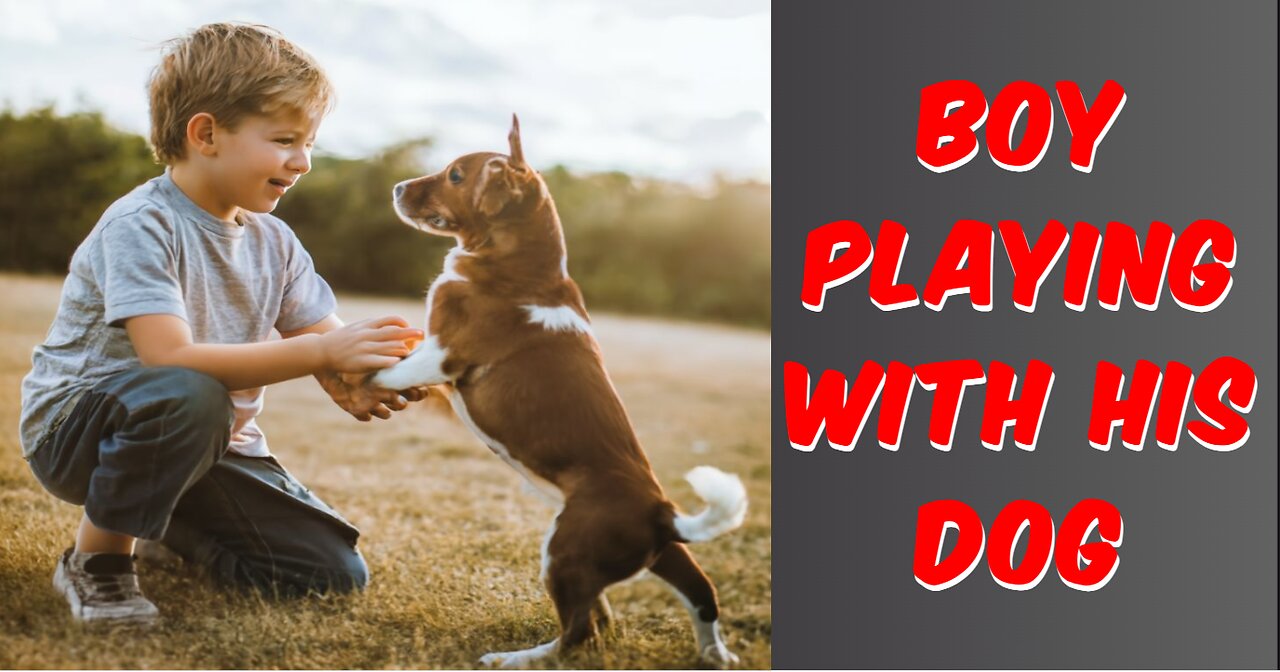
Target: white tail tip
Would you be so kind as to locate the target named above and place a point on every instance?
(726, 504)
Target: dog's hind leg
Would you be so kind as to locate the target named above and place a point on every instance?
(678, 568)
(602, 613)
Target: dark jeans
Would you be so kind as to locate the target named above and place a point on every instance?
(145, 452)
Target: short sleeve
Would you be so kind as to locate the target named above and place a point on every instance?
(135, 264)
(307, 297)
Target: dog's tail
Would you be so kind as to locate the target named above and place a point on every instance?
(726, 500)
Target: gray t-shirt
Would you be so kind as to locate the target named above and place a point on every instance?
(155, 251)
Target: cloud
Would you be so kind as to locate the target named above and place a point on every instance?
(663, 89)
(720, 9)
(404, 40)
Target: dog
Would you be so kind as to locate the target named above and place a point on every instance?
(509, 340)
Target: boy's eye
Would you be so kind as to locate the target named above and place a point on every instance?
(284, 141)
(455, 175)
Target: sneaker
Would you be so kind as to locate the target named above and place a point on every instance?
(102, 588)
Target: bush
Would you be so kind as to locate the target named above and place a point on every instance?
(57, 175)
(646, 247)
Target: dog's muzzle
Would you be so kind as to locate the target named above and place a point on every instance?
(432, 222)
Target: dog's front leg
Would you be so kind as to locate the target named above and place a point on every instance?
(424, 366)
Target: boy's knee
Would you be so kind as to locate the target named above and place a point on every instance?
(198, 390)
(338, 574)
(198, 400)
(349, 574)
(342, 572)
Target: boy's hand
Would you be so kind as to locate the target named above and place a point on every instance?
(411, 394)
(351, 389)
(366, 345)
(363, 401)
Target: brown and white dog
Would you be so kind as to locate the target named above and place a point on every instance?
(510, 341)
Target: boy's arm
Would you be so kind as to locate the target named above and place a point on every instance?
(350, 391)
(165, 340)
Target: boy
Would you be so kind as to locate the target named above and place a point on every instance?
(141, 402)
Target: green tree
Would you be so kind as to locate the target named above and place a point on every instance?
(57, 175)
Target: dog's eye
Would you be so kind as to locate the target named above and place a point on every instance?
(455, 175)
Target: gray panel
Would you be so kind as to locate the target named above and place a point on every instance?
(1196, 586)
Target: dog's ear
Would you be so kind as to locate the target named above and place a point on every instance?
(500, 189)
(510, 182)
(517, 152)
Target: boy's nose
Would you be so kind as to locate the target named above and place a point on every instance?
(300, 162)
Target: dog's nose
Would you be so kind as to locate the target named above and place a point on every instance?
(399, 189)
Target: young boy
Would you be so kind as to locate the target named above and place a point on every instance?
(141, 401)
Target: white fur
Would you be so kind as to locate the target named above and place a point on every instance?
(558, 318)
(546, 547)
(726, 504)
(711, 646)
(450, 272)
(423, 366)
(520, 658)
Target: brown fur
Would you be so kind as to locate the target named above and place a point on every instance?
(544, 394)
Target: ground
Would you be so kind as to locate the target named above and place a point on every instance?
(451, 535)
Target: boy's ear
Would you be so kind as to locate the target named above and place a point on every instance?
(200, 129)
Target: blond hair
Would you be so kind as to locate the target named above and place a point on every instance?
(230, 70)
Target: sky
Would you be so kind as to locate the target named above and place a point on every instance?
(660, 88)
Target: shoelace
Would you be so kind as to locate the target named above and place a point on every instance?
(108, 578)
(112, 587)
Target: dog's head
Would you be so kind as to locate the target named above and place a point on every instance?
(473, 195)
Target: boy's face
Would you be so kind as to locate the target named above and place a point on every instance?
(258, 161)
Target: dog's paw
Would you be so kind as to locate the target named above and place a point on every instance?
(506, 659)
(492, 659)
(719, 656)
(393, 378)
(423, 366)
(509, 659)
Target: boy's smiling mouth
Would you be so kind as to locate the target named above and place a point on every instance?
(281, 185)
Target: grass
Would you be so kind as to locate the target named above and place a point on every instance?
(451, 535)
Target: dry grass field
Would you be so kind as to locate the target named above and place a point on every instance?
(451, 536)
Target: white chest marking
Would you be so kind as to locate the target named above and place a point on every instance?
(449, 274)
(558, 318)
(540, 485)
(451, 262)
